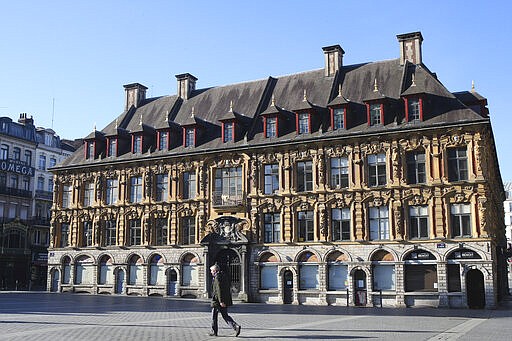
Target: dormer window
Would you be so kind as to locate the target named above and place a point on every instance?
(413, 109)
(137, 144)
(228, 129)
(112, 147)
(90, 150)
(375, 114)
(163, 140)
(338, 118)
(303, 123)
(190, 137)
(270, 126)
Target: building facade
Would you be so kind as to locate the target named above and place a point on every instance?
(367, 184)
(24, 208)
(507, 205)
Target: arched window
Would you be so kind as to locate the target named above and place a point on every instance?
(268, 271)
(337, 270)
(383, 268)
(308, 271)
(420, 271)
(156, 270)
(106, 271)
(83, 270)
(453, 267)
(135, 269)
(189, 270)
(66, 270)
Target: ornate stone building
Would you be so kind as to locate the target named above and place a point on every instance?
(367, 184)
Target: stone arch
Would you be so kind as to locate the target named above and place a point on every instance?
(83, 255)
(450, 251)
(262, 256)
(406, 253)
(184, 255)
(380, 254)
(342, 252)
(301, 255)
(108, 254)
(155, 253)
(131, 255)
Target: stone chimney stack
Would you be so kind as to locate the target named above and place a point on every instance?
(333, 59)
(410, 47)
(25, 120)
(186, 84)
(135, 94)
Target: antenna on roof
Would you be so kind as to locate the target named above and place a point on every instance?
(413, 80)
(273, 100)
(375, 87)
(192, 113)
(53, 110)
(117, 124)
(305, 97)
(339, 90)
(140, 120)
(473, 86)
(231, 106)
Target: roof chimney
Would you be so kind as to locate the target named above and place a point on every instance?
(333, 59)
(410, 47)
(135, 94)
(25, 120)
(186, 84)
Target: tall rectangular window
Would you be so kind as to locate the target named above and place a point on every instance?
(137, 143)
(88, 194)
(303, 122)
(413, 109)
(189, 185)
(338, 118)
(110, 233)
(90, 149)
(26, 183)
(272, 228)
(375, 114)
(457, 164)
(40, 183)
(66, 196)
(42, 162)
(379, 223)
(228, 186)
(4, 152)
(112, 190)
(163, 143)
(228, 131)
(53, 162)
(304, 176)
(188, 230)
(161, 231)
(340, 219)
(418, 221)
(271, 127)
(135, 189)
(14, 181)
(112, 147)
(190, 137)
(135, 232)
(306, 228)
(416, 167)
(377, 169)
(339, 172)
(461, 220)
(271, 178)
(87, 234)
(50, 185)
(16, 153)
(28, 157)
(161, 188)
(64, 235)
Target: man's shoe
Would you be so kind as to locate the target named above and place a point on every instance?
(237, 330)
(212, 333)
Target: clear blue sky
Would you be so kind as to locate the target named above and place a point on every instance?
(79, 54)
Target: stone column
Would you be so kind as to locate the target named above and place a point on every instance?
(442, 284)
(243, 274)
(399, 285)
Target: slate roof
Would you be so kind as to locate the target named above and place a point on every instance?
(252, 99)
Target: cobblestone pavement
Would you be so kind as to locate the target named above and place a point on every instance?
(50, 316)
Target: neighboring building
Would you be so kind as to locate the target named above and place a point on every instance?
(507, 205)
(24, 207)
(369, 180)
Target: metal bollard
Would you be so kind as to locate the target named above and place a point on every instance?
(380, 295)
(16, 285)
(347, 297)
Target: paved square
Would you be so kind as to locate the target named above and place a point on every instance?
(47, 316)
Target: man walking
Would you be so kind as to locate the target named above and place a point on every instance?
(221, 300)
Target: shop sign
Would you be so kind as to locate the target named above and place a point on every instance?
(15, 166)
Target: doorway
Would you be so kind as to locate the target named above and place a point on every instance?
(360, 288)
(475, 289)
(119, 282)
(55, 277)
(229, 263)
(288, 287)
(173, 280)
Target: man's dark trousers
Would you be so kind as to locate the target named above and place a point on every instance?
(224, 313)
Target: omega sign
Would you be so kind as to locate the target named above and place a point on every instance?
(15, 167)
